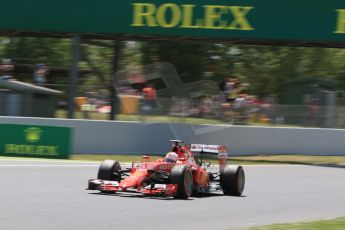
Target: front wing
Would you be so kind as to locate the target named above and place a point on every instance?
(114, 186)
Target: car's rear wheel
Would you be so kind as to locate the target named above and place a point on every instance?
(233, 180)
(183, 177)
(109, 170)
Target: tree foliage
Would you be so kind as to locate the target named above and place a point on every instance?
(265, 68)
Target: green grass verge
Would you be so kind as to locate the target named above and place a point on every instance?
(244, 160)
(120, 158)
(336, 224)
(293, 159)
(240, 160)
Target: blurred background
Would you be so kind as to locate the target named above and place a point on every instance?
(175, 81)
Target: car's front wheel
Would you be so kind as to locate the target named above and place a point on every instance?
(183, 177)
(109, 170)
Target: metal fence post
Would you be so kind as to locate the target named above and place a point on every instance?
(74, 74)
(115, 102)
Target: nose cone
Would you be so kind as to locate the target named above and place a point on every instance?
(130, 182)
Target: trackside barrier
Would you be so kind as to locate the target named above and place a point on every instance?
(109, 137)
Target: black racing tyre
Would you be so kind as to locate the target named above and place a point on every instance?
(233, 180)
(183, 177)
(109, 170)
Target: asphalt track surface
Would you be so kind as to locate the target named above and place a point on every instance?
(37, 195)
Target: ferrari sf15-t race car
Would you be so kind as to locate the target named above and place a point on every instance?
(180, 174)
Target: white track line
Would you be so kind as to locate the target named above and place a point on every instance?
(47, 160)
(277, 165)
(48, 166)
(124, 164)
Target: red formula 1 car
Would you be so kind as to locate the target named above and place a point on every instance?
(180, 174)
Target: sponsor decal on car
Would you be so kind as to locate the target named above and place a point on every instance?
(112, 183)
(157, 186)
(208, 148)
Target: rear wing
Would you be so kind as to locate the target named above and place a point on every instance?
(221, 150)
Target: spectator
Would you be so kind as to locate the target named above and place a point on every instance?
(6, 70)
(149, 93)
(232, 89)
(313, 112)
(240, 102)
(206, 106)
(40, 73)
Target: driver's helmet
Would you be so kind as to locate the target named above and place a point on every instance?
(171, 157)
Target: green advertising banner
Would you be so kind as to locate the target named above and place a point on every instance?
(35, 141)
(294, 20)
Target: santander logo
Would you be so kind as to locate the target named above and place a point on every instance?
(211, 148)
